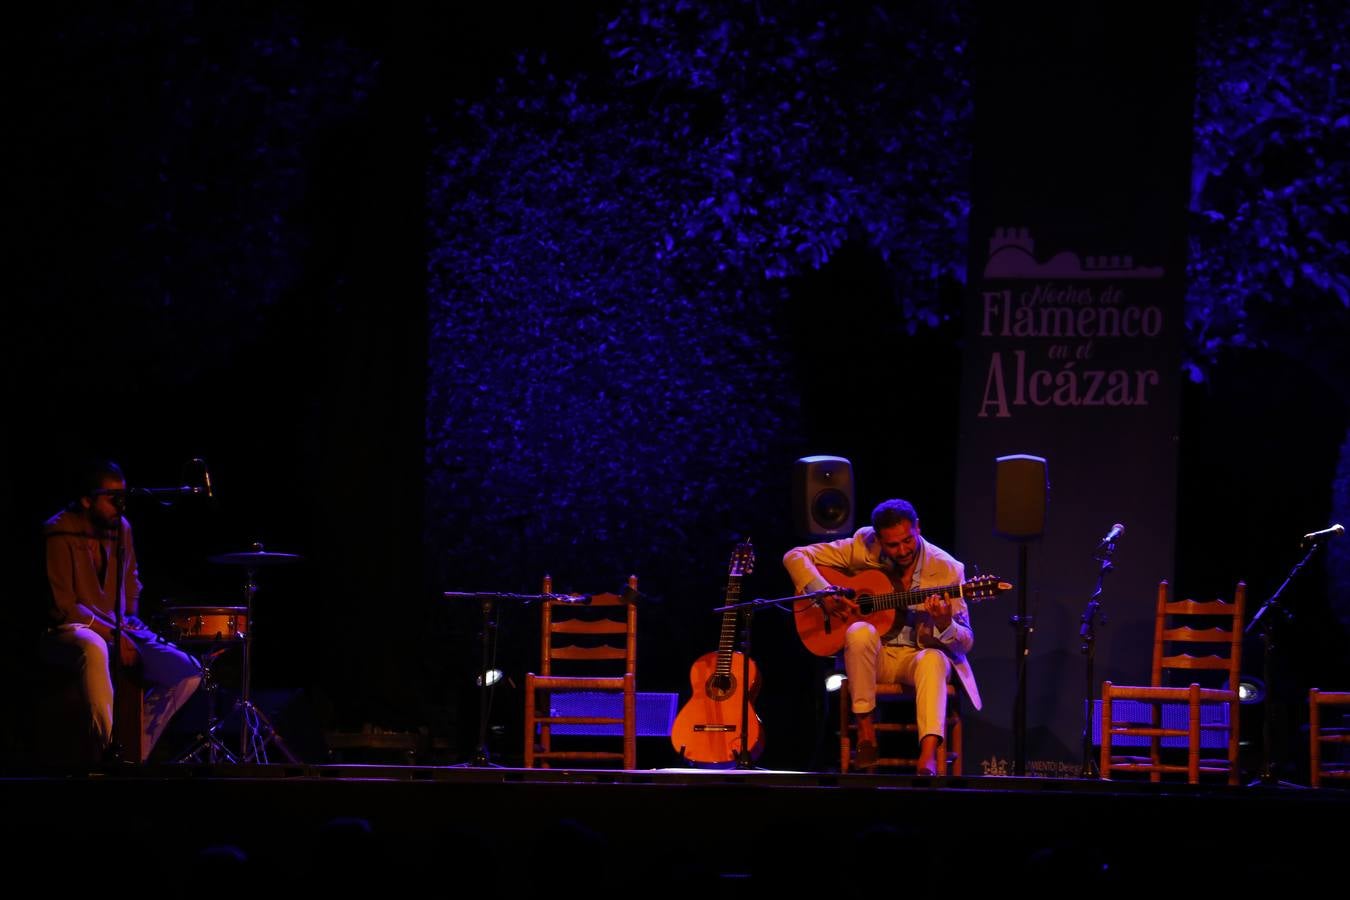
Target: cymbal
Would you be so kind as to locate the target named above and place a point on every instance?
(254, 558)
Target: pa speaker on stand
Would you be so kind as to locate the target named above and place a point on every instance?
(1021, 497)
(822, 510)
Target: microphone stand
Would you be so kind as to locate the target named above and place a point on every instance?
(114, 752)
(482, 756)
(182, 490)
(1088, 634)
(487, 604)
(743, 758)
(1267, 774)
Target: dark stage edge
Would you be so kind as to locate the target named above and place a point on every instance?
(732, 830)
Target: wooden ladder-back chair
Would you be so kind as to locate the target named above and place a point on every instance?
(949, 757)
(1180, 626)
(1321, 731)
(587, 644)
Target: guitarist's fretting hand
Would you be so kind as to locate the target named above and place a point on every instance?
(939, 609)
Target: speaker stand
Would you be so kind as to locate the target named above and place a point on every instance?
(1021, 489)
(1023, 624)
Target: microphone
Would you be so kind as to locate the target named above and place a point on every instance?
(1326, 534)
(579, 599)
(206, 477)
(848, 593)
(162, 491)
(1114, 534)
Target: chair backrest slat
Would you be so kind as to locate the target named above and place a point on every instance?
(1182, 624)
(607, 622)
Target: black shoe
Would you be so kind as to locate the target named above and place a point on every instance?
(865, 757)
(114, 759)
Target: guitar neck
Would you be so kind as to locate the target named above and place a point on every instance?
(911, 600)
(727, 643)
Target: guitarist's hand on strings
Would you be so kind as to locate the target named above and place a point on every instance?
(841, 606)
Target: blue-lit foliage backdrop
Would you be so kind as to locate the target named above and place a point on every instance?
(1271, 183)
(1268, 280)
(611, 383)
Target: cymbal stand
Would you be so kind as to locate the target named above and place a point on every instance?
(256, 730)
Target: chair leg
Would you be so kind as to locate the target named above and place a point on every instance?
(958, 751)
(845, 708)
(529, 721)
(1314, 740)
(1104, 770)
(629, 722)
(546, 729)
(1155, 742)
(1193, 736)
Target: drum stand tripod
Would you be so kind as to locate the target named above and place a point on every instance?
(256, 730)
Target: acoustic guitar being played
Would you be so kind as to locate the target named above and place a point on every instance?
(708, 729)
(822, 622)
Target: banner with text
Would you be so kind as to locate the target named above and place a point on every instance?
(1072, 354)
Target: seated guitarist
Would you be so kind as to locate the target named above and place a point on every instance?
(85, 544)
(921, 649)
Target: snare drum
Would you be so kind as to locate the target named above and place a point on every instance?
(215, 624)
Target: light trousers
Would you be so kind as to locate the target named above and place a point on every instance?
(868, 663)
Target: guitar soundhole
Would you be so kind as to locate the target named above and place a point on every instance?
(721, 686)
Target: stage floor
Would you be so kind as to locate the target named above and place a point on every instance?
(727, 830)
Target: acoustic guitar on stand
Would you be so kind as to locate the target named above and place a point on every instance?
(821, 623)
(708, 728)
